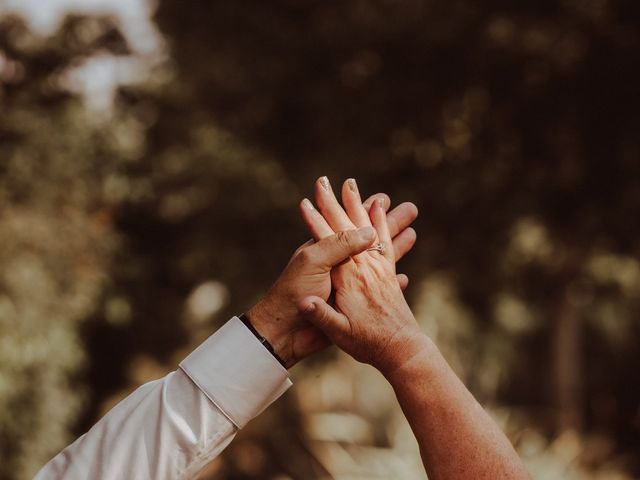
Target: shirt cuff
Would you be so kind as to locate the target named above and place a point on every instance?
(236, 372)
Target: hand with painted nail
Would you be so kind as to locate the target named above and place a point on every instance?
(373, 323)
(371, 320)
(332, 218)
(276, 316)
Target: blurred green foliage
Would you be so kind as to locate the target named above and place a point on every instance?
(55, 244)
(513, 126)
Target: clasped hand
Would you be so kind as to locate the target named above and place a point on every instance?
(370, 318)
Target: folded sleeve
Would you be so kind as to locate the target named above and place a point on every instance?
(251, 378)
(173, 427)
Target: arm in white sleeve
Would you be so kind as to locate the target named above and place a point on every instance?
(173, 427)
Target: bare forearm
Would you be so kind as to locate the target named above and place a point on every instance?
(457, 438)
(373, 323)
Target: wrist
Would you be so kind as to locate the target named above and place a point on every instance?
(414, 349)
(269, 325)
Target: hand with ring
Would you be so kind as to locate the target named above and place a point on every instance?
(373, 323)
(378, 247)
(276, 316)
(371, 320)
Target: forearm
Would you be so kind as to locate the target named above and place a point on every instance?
(457, 438)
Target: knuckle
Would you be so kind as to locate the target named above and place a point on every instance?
(323, 317)
(305, 255)
(344, 238)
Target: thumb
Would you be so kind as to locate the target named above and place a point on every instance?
(333, 250)
(403, 281)
(322, 315)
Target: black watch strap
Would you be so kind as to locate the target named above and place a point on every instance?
(265, 343)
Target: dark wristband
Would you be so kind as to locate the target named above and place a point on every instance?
(265, 343)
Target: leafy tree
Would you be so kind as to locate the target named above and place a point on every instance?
(512, 126)
(56, 236)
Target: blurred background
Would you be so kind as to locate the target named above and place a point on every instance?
(152, 155)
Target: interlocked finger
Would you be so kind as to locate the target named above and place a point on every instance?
(314, 220)
(379, 221)
(330, 208)
(353, 204)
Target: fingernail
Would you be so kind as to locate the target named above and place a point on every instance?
(351, 183)
(310, 308)
(307, 204)
(324, 181)
(380, 203)
(367, 234)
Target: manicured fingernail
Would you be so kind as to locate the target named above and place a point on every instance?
(307, 204)
(324, 181)
(351, 183)
(367, 234)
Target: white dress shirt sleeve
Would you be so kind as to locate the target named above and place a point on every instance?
(173, 427)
